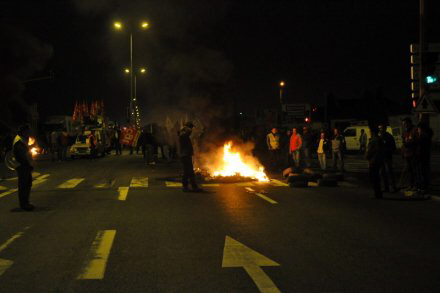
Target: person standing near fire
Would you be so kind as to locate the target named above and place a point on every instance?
(273, 145)
(24, 169)
(295, 146)
(186, 152)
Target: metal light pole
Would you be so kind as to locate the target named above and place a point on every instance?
(131, 74)
(422, 46)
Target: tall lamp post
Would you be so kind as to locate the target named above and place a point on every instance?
(119, 27)
(282, 84)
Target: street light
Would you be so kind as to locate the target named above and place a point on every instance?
(118, 25)
(282, 84)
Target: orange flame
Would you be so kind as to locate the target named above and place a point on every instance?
(234, 165)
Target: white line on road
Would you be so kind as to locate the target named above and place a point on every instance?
(95, 269)
(8, 192)
(265, 198)
(249, 189)
(139, 182)
(122, 193)
(173, 184)
(6, 263)
(3, 188)
(276, 182)
(71, 183)
(210, 185)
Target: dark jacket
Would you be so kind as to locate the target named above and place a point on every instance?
(389, 144)
(185, 145)
(375, 151)
(307, 140)
(21, 153)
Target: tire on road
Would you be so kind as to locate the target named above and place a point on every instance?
(327, 182)
(296, 177)
(298, 184)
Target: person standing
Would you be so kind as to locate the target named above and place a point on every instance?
(409, 147)
(423, 156)
(273, 145)
(186, 152)
(338, 146)
(363, 142)
(295, 147)
(116, 142)
(389, 147)
(54, 148)
(374, 156)
(284, 148)
(24, 169)
(307, 144)
(64, 143)
(321, 151)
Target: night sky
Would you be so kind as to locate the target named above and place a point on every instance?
(207, 57)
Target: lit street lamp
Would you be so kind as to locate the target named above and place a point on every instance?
(282, 84)
(141, 70)
(119, 26)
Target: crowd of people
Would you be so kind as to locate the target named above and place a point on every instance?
(295, 148)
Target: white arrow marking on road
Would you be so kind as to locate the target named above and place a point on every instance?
(100, 251)
(71, 183)
(123, 191)
(139, 182)
(40, 179)
(6, 263)
(236, 254)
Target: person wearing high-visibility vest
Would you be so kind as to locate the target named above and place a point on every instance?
(24, 169)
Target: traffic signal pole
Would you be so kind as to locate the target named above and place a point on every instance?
(422, 47)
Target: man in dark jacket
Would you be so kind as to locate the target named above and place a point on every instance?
(186, 152)
(24, 170)
(386, 171)
(374, 156)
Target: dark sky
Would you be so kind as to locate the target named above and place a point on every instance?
(204, 55)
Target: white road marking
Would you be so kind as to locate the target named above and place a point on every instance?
(8, 192)
(236, 254)
(139, 182)
(275, 182)
(40, 179)
(312, 184)
(5, 263)
(106, 184)
(347, 184)
(71, 183)
(244, 184)
(211, 185)
(251, 190)
(123, 191)
(265, 198)
(11, 179)
(3, 188)
(100, 252)
(173, 184)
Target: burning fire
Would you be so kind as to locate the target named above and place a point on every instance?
(233, 165)
(34, 148)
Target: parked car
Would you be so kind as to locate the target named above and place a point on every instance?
(82, 145)
(353, 133)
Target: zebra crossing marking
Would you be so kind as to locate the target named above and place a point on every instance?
(139, 182)
(8, 192)
(71, 183)
(122, 193)
(100, 251)
(108, 183)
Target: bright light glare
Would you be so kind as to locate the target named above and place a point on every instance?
(143, 70)
(144, 24)
(126, 70)
(282, 83)
(117, 25)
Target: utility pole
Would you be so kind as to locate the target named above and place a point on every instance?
(422, 47)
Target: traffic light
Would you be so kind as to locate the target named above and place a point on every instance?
(430, 62)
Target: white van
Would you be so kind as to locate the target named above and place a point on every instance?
(353, 133)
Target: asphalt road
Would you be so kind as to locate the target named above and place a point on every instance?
(93, 232)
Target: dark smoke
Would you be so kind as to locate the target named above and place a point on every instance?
(22, 56)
